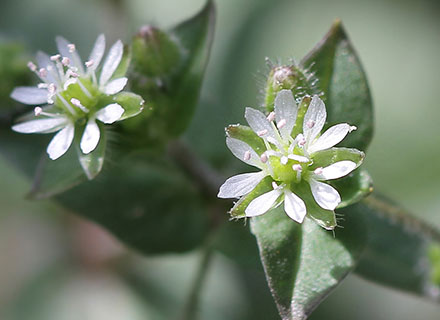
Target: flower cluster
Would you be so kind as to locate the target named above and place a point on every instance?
(73, 97)
(294, 158)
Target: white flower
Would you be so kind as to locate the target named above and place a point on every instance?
(76, 94)
(293, 153)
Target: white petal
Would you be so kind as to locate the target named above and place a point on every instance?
(263, 203)
(330, 137)
(44, 61)
(97, 52)
(90, 137)
(325, 195)
(316, 115)
(115, 86)
(336, 170)
(294, 206)
(286, 108)
(61, 142)
(239, 148)
(111, 63)
(111, 113)
(30, 95)
(47, 125)
(62, 45)
(258, 122)
(241, 184)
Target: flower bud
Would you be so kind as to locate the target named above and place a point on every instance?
(155, 53)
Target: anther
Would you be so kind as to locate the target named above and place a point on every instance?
(301, 140)
(274, 185)
(32, 66)
(42, 72)
(78, 104)
(310, 124)
(247, 155)
(281, 123)
(262, 132)
(89, 63)
(38, 111)
(71, 47)
(352, 128)
(297, 167)
(52, 88)
(318, 170)
(271, 116)
(65, 61)
(284, 160)
(263, 157)
(55, 57)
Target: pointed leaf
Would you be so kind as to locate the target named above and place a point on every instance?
(303, 262)
(343, 81)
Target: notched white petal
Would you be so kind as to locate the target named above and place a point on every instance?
(61, 142)
(294, 206)
(90, 138)
(40, 125)
(259, 123)
(97, 52)
(111, 113)
(325, 195)
(115, 86)
(314, 119)
(240, 185)
(263, 203)
(330, 137)
(337, 170)
(240, 149)
(286, 111)
(111, 63)
(30, 95)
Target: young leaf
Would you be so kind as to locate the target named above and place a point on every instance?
(344, 84)
(303, 262)
(399, 249)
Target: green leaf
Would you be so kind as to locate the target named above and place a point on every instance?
(303, 262)
(246, 134)
(133, 104)
(343, 81)
(93, 162)
(398, 248)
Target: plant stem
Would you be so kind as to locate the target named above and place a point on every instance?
(191, 308)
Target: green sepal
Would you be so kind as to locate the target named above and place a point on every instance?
(344, 84)
(304, 262)
(133, 104)
(93, 162)
(434, 260)
(123, 66)
(238, 210)
(302, 109)
(246, 134)
(327, 157)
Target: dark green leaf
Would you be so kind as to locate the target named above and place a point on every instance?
(304, 263)
(344, 84)
(398, 248)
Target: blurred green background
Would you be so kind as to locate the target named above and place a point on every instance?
(56, 266)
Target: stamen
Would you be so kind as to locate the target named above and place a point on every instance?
(271, 116)
(301, 140)
(84, 89)
(262, 132)
(65, 61)
(71, 47)
(42, 73)
(274, 185)
(89, 63)
(297, 167)
(32, 66)
(38, 111)
(55, 57)
(310, 124)
(52, 88)
(284, 160)
(352, 128)
(247, 156)
(78, 104)
(264, 157)
(67, 105)
(281, 123)
(69, 82)
(318, 171)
